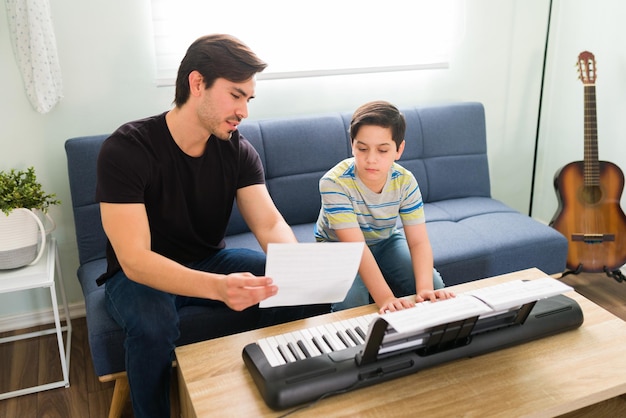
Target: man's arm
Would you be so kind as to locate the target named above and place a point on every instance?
(126, 226)
(262, 216)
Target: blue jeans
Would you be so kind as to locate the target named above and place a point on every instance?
(394, 260)
(150, 321)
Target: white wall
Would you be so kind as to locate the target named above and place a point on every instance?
(105, 49)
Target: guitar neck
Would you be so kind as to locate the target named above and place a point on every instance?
(591, 164)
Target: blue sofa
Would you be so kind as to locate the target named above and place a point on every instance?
(473, 235)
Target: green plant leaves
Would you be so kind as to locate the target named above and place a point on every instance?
(20, 189)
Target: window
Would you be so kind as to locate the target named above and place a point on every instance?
(324, 37)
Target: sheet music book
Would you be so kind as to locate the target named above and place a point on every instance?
(311, 273)
(483, 302)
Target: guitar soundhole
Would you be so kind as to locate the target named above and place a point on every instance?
(591, 195)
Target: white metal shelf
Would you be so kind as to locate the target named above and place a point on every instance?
(42, 275)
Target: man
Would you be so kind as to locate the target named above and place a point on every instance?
(166, 186)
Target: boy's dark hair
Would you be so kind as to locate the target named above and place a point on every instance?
(379, 113)
(216, 56)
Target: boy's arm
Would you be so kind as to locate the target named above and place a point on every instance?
(422, 259)
(372, 276)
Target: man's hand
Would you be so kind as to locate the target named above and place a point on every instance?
(242, 290)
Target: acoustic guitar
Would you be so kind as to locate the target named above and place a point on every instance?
(589, 192)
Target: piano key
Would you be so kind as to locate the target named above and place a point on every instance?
(302, 342)
(322, 333)
(319, 343)
(365, 322)
(355, 323)
(270, 352)
(335, 331)
(295, 351)
(275, 344)
(361, 333)
(333, 346)
(282, 348)
(344, 339)
(284, 351)
(352, 334)
(328, 335)
(302, 347)
(343, 324)
(350, 326)
(360, 329)
(288, 337)
(299, 342)
(308, 338)
(342, 333)
(316, 340)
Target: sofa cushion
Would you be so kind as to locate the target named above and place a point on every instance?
(492, 244)
(458, 209)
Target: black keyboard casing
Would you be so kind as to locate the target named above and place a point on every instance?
(330, 374)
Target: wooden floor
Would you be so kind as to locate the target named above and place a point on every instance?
(36, 361)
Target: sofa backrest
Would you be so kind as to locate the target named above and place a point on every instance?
(295, 152)
(82, 154)
(446, 149)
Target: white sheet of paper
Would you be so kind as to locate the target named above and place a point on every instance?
(311, 273)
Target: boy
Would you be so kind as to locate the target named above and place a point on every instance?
(362, 198)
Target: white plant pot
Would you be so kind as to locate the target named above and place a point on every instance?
(22, 238)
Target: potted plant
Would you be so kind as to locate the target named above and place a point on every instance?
(22, 234)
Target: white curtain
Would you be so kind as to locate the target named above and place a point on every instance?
(34, 45)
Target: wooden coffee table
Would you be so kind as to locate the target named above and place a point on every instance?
(543, 378)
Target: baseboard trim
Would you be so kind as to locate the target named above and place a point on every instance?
(44, 317)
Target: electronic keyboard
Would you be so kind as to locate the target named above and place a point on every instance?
(305, 365)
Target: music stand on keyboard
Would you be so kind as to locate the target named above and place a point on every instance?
(442, 337)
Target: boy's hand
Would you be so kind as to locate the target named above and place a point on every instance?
(433, 295)
(395, 304)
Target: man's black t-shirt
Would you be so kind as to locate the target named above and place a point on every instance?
(188, 200)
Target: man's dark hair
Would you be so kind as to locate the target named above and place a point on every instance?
(216, 56)
(379, 113)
